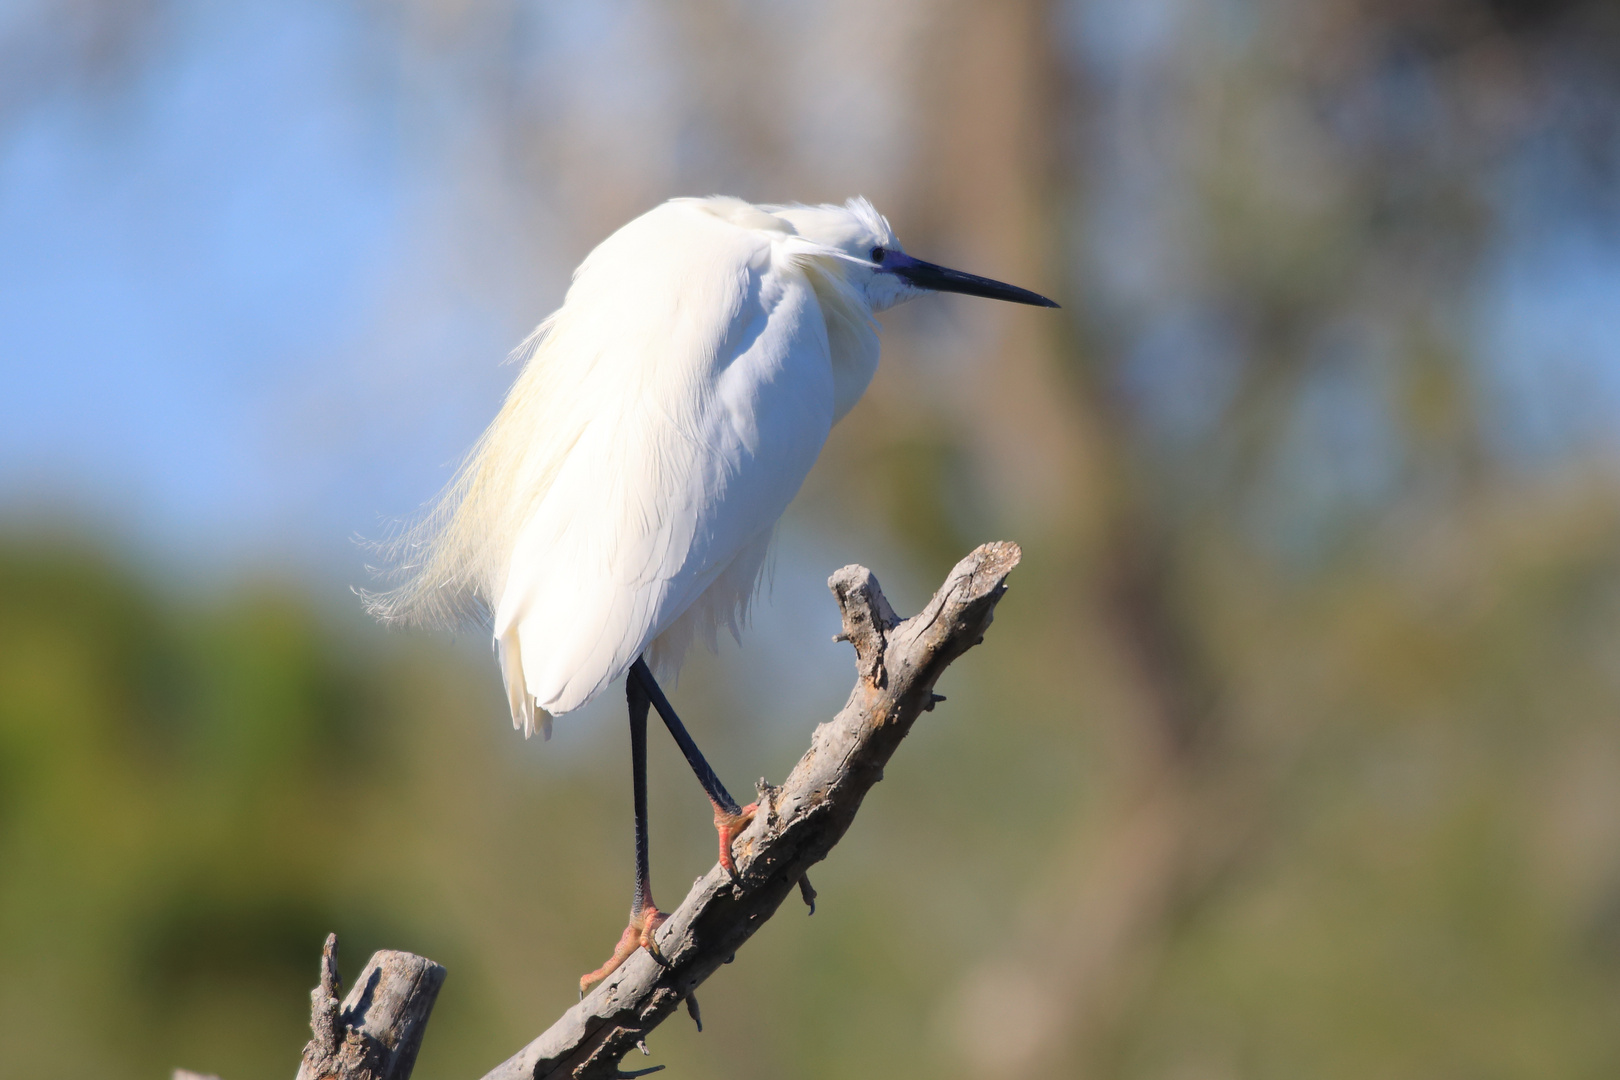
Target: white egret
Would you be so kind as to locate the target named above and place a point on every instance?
(623, 500)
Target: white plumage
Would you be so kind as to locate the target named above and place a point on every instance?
(624, 498)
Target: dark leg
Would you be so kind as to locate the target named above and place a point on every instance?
(729, 818)
(638, 781)
(645, 918)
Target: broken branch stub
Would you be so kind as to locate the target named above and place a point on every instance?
(898, 663)
(868, 618)
(376, 1031)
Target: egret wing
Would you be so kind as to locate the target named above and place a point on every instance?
(706, 395)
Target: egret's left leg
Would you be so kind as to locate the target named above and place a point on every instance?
(645, 918)
(729, 818)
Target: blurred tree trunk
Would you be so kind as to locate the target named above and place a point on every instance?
(990, 181)
(980, 190)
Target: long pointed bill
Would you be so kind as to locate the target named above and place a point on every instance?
(927, 275)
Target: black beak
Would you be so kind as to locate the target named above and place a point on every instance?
(926, 275)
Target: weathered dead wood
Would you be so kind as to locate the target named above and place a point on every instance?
(898, 664)
(375, 1033)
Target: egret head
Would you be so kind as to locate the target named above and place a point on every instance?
(878, 264)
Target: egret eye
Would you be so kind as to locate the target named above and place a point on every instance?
(878, 254)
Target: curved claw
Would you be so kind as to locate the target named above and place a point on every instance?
(807, 893)
(652, 919)
(692, 1011)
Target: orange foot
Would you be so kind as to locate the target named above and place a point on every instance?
(728, 826)
(639, 933)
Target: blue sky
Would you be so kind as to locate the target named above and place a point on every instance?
(248, 313)
(195, 290)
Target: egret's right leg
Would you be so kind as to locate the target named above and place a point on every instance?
(645, 918)
(729, 818)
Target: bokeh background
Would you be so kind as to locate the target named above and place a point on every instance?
(1294, 750)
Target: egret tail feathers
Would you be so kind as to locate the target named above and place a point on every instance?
(524, 710)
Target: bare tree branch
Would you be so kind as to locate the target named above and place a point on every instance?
(898, 664)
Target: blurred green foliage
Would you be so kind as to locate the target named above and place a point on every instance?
(176, 780)
(196, 789)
